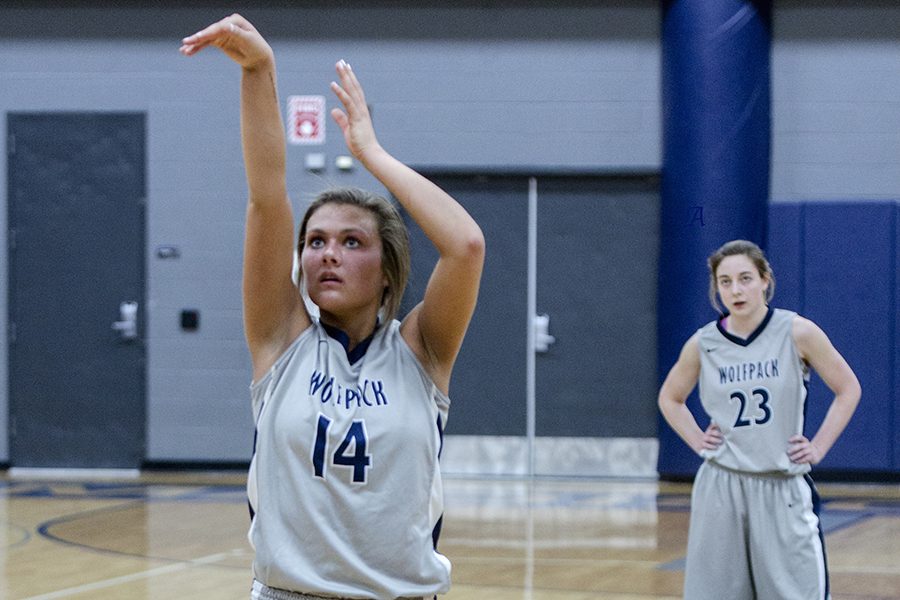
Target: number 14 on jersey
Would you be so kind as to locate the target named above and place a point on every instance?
(350, 452)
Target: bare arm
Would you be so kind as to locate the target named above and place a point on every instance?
(273, 310)
(816, 349)
(673, 394)
(436, 327)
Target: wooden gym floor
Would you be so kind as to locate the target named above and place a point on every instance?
(183, 535)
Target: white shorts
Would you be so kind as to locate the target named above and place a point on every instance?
(754, 536)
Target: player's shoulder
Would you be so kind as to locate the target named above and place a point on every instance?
(781, 315)
(690, 352)
(806, 332)
(778, 322)
(707, 334)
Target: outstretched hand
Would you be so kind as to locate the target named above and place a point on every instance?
(354, 120)
(235, 36)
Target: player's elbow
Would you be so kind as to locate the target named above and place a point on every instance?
(853, 393)
(474, 244)
(666, 403)
(470, 250)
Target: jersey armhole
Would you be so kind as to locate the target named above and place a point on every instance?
(441, 399)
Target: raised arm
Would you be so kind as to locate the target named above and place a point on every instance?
(273, 310)
(673, 397)
(816, 349)
(435, 328)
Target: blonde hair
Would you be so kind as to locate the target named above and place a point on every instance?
(734, 248)
(395, 257)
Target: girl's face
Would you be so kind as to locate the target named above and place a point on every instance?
(341, 261)
(741, 288)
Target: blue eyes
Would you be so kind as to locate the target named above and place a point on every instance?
(319, 243)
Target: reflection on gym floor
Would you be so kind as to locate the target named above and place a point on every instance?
(183, 535)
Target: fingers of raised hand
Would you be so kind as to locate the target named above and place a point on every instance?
(349, 84)
(343, 70)
(340, 93)
(218, 33)
(339, 117)
(205, 36)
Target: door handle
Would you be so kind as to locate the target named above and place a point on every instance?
(542, 337)
(127, 323)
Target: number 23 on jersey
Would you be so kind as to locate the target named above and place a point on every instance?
(752, 410)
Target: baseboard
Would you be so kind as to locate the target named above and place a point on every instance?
(71, 474)
(479, 455)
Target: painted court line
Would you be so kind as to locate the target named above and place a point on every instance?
(112, 582)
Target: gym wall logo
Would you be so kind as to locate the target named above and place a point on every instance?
(306, 119)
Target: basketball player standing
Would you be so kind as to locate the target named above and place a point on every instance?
(754, 531)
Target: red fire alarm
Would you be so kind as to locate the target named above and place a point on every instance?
(306, 119)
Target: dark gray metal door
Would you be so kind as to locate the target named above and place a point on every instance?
(596, 270)
(76, 289)
(488, 385)
(597, 255)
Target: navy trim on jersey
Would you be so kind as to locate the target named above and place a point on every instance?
(436, 532)
(805, 402)
(253, 454)
(352, 355)
(756, 332)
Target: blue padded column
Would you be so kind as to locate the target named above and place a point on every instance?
(715, 176)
